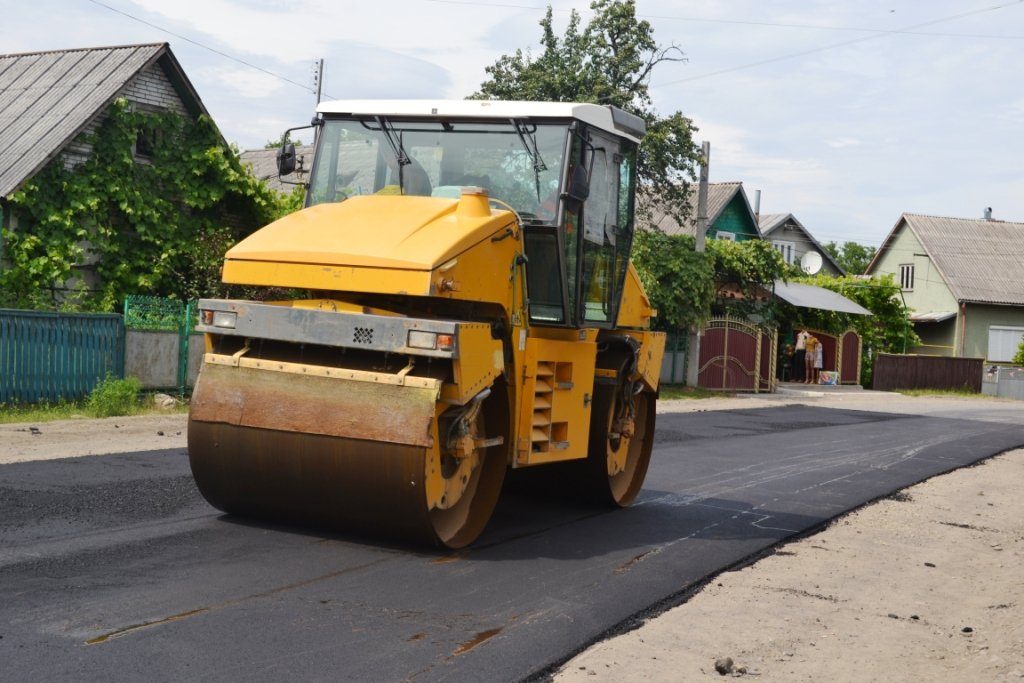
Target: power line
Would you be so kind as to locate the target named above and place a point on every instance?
(215, 51)
(746, 22)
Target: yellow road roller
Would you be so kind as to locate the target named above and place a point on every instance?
(460, 302)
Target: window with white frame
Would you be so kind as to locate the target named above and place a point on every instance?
(1003, 342)
(722, 235)
(785, 248)
(907, 277)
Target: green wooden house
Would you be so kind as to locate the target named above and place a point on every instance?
(730, 216)
(963, 280)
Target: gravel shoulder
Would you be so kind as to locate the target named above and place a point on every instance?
(924, 586)
(23, 442)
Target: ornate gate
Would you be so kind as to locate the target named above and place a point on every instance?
(849, 358)
(736, 355)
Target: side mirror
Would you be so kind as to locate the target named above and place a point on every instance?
(286, 159)
(579, 185)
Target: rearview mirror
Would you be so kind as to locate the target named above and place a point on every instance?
(286, 159)
(579, 185)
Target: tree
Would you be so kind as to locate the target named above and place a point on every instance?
(283, 140)
(608, 61)
(851, 257)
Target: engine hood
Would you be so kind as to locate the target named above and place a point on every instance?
(400, 232)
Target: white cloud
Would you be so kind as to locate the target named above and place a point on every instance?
(839, 143)
(243, 82)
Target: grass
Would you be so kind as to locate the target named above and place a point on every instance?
(957, 393)
(111, 397)
(674, 391)
(40, 412)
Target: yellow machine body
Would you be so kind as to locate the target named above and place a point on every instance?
(392, 395)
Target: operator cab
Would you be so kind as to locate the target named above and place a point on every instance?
(568, 170)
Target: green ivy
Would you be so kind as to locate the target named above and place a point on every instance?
(158, 228)
(680, 282)
(751, 267)
(688, 286)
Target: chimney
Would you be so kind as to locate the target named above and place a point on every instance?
(757, 206)
(988, 213)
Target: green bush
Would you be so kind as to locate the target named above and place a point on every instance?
(114, 396)
(1019, 358)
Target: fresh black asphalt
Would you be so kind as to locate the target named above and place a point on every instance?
(112, 567)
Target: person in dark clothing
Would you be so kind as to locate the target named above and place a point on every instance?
(799, 375)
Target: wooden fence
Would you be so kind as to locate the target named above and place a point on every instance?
(894, 371)
(53, 356)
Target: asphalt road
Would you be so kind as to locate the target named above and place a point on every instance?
(113, 567)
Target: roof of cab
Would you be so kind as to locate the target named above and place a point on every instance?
(605, 117)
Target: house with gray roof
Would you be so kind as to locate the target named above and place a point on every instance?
(50, 101)
(794, 241)
(53, 103)
(963, 279)
(730, 216)
(263, 164)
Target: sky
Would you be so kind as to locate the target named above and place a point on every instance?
(845, 114)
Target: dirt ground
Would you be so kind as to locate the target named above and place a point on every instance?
(20, 442)
(928, 586)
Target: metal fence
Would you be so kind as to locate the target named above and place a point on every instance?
(159, 332)
(673, 364)
(894, 371)
(54, 356)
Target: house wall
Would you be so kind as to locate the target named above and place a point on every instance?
(979, 317)
(802, 243)
(930, 293)
(149, 90)
(735, 219)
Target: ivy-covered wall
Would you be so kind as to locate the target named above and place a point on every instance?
(90, 233)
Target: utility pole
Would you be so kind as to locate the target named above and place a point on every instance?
(318, 81)
(693, 345)
(318, 78)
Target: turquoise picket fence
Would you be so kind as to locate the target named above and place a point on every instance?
(54, 356)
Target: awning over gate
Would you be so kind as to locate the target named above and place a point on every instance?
(932, 317)
(809, 296)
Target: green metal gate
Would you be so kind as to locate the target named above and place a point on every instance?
(53, 356)
(157, 314)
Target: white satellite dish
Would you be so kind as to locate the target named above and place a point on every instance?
(811, 262)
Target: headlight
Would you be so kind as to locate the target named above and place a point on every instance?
(422, 340)
(224, 319)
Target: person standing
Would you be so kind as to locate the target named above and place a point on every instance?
(799, 373)
(811, 353)
(819, 357)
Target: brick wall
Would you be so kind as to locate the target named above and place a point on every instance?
(152, 89)
(149, 90)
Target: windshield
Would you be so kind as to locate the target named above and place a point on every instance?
(517, 162)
